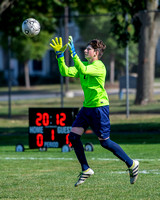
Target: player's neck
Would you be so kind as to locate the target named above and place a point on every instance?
(91, 60)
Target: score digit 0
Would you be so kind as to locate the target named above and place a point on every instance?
(39, 140)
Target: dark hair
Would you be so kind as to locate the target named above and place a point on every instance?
(98, 45)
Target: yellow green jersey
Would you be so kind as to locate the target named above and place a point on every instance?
(92, 78)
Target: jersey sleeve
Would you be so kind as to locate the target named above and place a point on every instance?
(89, 69)
(65, 70)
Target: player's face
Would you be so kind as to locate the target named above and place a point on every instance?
(89, 52)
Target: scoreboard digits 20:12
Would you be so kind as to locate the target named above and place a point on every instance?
(50, 127)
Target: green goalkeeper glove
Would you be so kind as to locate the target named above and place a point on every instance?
(71, 46)
(58, 47)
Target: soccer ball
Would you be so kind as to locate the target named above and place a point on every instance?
(31, 27)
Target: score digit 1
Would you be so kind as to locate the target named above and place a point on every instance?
(52, 134)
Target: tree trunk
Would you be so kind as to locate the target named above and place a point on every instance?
(26, 74)
(112, 68)
(147, 49)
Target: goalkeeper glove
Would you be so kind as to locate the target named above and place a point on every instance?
(58, 47)
(71, 46)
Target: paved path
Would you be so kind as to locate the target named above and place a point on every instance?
(71, 93)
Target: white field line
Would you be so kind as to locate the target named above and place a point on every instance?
(114, 159)
(154, 171)
(34, 158)
(62, 158)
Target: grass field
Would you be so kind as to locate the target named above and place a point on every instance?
(51, 175)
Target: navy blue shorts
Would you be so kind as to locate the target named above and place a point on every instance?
(96, 118)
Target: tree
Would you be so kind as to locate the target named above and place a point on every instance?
(10, 26)
(149, 35)
(30, 48)
(99, 26)
(144, 18)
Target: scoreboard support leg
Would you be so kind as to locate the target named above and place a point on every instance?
(19, 147)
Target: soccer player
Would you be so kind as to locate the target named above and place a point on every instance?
(95, 110)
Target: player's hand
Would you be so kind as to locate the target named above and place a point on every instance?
(71, 46)
(58, 47)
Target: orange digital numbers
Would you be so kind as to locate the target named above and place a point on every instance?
(42, 119)
(39, 140)
(60, 118)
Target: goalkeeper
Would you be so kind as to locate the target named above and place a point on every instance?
(95, 110)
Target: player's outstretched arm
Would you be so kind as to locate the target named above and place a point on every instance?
(77, 62)
(71, 46)
(58, 47)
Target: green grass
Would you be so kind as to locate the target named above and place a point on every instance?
(141, 118)
(51, 175)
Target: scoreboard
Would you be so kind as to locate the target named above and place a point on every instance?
(50, 127)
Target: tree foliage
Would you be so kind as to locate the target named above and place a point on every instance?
(99, 26)
(142, 26)
(25, 48)
(10, 25)
(121, 25)
(144, 17)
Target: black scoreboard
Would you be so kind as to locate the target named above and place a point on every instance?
(50, 127)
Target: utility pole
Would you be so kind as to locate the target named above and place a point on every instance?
(61, 77)
(9, 77)
(127, 74)
(66, 34)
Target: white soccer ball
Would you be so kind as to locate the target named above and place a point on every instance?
(31, 27)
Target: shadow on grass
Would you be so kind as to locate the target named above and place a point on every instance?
(136, 127)
(12, 136)
(12, 140)
(18, 117)
(118, 137)
(127, 138)
(142, 133)
(155, 111)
